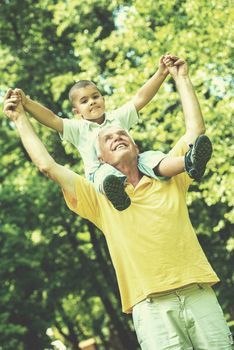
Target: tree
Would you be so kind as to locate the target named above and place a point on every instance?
(55, 267)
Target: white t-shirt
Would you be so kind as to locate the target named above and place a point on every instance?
(83, 133)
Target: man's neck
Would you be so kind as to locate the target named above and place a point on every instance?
(131, 171)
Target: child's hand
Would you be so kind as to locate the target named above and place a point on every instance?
(21, 96)
(176, 66)
(162, 67)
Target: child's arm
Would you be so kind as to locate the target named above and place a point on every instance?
(40, 113)
(150, 88)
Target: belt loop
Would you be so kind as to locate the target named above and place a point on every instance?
(148, 300)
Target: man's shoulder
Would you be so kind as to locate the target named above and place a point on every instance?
(86, 201)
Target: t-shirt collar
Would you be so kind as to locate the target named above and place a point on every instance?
(144, 180)
(92, 125)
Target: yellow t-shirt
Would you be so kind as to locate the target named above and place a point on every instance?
(152, 243)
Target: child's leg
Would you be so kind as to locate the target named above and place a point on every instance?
(170, 166)
(149, 162)
(157, 164)
(111, 182)
(160, 165)
(197, 157)
(101, 173)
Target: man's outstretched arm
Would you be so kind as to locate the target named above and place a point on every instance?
(35, 148)
(194, 122)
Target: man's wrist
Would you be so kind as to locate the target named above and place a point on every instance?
(19, 118)
(26, 101)
(184, 79)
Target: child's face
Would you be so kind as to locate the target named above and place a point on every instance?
(89, 103)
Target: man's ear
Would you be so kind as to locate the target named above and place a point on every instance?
(101, 159)
(137, 149)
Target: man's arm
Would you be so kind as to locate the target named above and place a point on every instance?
(35, 148)
(194, 122)
(39, 112)
(151, 87)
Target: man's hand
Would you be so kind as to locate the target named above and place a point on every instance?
(176, 66)
(162, 67)
(12, 106)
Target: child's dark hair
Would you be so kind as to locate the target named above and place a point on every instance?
(78, 85)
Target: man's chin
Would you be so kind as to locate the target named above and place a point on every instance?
(121, 152)
(120, 155)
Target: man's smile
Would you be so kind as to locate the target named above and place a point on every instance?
(120, 145)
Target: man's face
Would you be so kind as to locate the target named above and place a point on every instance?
(115, 145)
(89, 103)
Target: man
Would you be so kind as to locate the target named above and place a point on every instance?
(163, 275)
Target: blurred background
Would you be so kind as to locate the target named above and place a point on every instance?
(58, 285)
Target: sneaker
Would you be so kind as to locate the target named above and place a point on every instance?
(197, 157)
(114, 190)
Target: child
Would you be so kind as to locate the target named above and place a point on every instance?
(88, 102)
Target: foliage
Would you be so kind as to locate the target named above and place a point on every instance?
(55, 268)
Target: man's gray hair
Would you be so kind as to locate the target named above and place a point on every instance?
(97, 142)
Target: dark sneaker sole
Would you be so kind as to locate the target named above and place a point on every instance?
(201, 154)
(114, 190)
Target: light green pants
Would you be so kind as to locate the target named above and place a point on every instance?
(188, 318)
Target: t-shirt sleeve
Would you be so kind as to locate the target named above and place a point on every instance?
(86, 203)
(179, 149)
(71, 131)
(126, 115)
